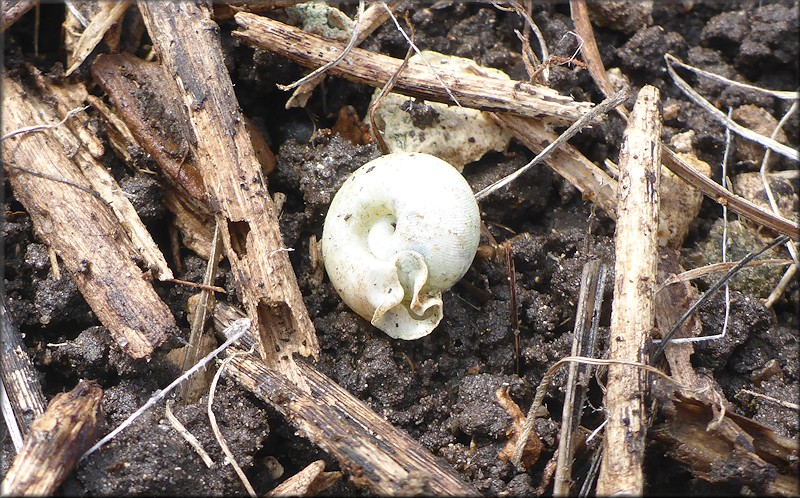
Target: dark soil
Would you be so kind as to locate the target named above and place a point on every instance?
(439, 389)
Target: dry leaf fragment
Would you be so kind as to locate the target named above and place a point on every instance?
(533, 447)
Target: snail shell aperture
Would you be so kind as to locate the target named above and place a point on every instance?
(402, 229)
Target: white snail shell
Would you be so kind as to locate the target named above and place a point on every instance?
(402, 229)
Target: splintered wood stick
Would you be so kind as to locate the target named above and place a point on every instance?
(151, 107)
(87, 151)
(375, 70)
(584, 343)
(369, 449)
(374, 453)
(18, 375)
(11, 11)
(56, 441)
(632, 317)
(189, 47)
(81, 228)
(761, 460)
(417, 80)
(310, 481)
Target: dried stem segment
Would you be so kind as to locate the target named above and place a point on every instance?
(12, 10)
(69, 216)
(735, 203)
(584, 343)
(372, 19)
(189, 46)
(373, 452)
(56, 440)
(375, 70)
(18, 375)
(310, 481)
(632, 318)
(86, 151)
(417, 80)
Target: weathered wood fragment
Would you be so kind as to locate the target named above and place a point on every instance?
(108, 15)
(19, 377)
(150, 105)
(730, 449)
(373, 452)
(86, 151)
(633, 315)
(189, 47)
(82, 229)
(584, 343)
(56, 441)
(11, 10)
(314, 51)
(310, 481)
(417, 80)
(370, 450)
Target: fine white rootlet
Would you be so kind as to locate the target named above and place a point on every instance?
(402, 229)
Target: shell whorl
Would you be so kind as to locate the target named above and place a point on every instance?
(402, 229)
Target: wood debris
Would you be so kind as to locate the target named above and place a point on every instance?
(632, 318)
(310, 481)
(57, 439)
(235, 184)
(82, 229)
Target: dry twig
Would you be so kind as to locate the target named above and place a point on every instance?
(57, 438)
(18, 375)
(188, 436)
(418, 80)
(632, 318)
(218, 434)
(84, 231)
(190, 50)
(590, 301)
(13, 10)
(374, 453)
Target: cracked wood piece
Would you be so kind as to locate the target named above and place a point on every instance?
(81, 228)
(86, 150)
(671, 302)
(590, 179)
(417, 80)
(310, 481)
(375, 453)
(584, 343)
(57, 439)
(18, 375)
(369, 449)
(633, 315)
(12, 10)
(736, 451)
(150, 105)
(189, 47)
